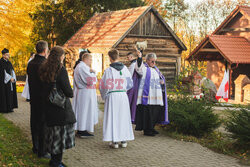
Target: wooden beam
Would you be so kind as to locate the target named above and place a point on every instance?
(167, 68)
(208, 50)
(235, 29)
(168, 55)
(149, 36)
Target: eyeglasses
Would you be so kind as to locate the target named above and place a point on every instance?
(153, 61)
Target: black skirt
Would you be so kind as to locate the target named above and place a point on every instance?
(147, 116)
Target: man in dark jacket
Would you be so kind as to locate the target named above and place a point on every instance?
(37, 116)
(8, 96)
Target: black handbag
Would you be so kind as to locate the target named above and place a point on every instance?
(57, 97)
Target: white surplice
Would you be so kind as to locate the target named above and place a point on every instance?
(155, 90)
(85, 104)
(131, 68)
(8, 77)
(117, 124)
(26, 92)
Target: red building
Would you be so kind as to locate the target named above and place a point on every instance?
(227, 47)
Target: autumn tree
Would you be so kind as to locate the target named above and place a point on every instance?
(57, 21)
(158, 4)
(202, 19)
(175, 12)
(208, 14)
(15, 29)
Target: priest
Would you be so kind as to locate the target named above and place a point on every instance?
(85, 98)
(133, 92)
(152, 105)
(8, 96)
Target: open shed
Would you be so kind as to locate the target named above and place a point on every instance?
(121, 30)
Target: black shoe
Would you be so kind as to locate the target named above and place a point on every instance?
(149, 133)
(56, 164)
(28, 100)
(85, 134)
(155, 132)
(46, 155)
(79, 132)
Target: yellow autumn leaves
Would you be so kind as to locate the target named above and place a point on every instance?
(15, 23)
(16, 26)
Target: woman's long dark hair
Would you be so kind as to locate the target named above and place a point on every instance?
(51, 66)
(80, 57)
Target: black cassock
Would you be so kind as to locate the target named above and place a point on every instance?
(8, 96)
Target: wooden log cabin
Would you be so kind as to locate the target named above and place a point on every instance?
(121, 30)
(227, 47)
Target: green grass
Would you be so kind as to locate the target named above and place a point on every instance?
(15, 149)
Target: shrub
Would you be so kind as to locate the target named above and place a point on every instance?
(239, 125)
(192, 117)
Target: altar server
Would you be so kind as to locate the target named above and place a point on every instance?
(85, 100)
(117, 126)
(133, 92)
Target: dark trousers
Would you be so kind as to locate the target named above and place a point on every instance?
(38, 127)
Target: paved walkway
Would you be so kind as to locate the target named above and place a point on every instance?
(160, 151)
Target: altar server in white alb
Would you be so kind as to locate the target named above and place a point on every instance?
(26, 92)
(117, 126)
(133, 93)
(132, 59)
(85, 100)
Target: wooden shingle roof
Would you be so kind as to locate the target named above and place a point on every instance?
(106, 30)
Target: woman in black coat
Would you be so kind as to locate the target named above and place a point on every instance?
(60, 121)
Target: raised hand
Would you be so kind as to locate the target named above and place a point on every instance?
(139, 54)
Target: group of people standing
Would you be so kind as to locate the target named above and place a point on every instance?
(136, 94)
(52, 127)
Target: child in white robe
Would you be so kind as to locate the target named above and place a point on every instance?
(117, 126)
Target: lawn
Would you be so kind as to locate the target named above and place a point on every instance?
(15, 148)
